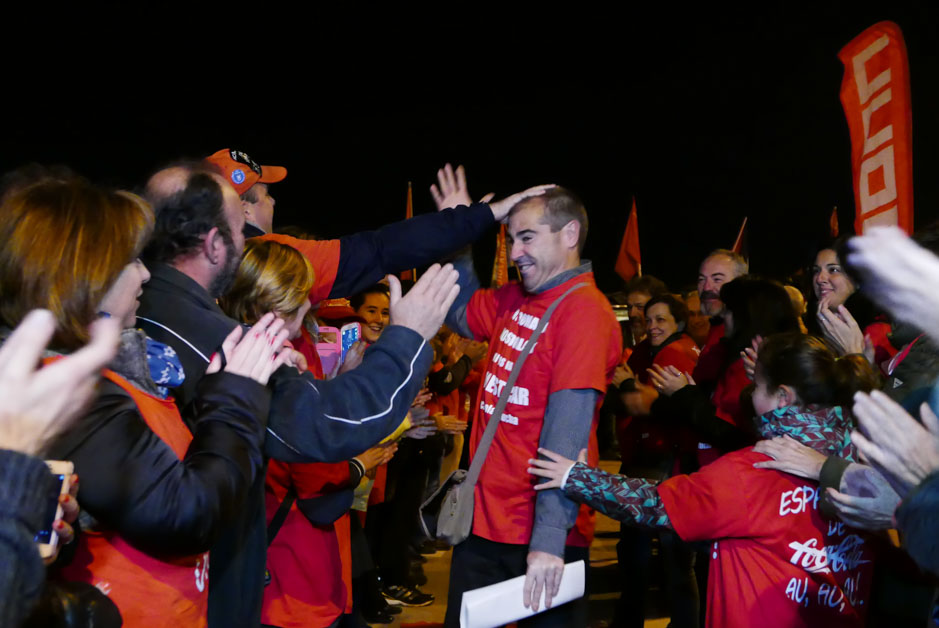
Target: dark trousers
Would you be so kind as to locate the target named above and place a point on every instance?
(478, 562)
(634, 553)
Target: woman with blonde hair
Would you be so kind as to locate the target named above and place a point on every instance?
(154, 494)
(307, 503)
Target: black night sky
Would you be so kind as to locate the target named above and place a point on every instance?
(705, 120)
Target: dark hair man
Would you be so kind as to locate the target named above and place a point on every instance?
(553, 404)
(308, 422)
(639, 290)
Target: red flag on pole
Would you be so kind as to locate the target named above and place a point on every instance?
(833, 223)
(740, 244)
(500, 265)
(629, 261)
(409, 213)
(875, 94)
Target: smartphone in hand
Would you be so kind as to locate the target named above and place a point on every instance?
(46, 538)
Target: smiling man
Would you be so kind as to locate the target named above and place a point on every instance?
(553, 403)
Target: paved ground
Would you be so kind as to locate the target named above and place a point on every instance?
(602, 563)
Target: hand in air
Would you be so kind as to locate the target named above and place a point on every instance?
(426, 304)
(897, 445)
(900, 275)
(39, 402)
(866, 501)
(255, 353)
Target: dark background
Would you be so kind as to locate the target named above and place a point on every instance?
(704, 118)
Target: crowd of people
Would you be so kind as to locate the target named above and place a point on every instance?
(240, 466)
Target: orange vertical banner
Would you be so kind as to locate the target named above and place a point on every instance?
(629, 261)
(875, 94)
(500, 265)
(409, 213)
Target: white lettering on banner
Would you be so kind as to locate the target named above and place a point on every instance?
(798, 591)
(865, 88)
(798, 500)
(842, 557)
(874, 139)
(494, 386)
(526, 320)
(887, 194)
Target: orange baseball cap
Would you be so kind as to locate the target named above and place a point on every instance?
(242, 171)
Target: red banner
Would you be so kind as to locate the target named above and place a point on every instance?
(409, 213)
(875, 93)
(500, 265)
(629, 261)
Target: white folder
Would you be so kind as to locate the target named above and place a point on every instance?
(501, 603)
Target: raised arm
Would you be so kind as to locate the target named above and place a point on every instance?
(330, 421)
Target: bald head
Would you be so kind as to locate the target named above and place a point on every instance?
(167, 182)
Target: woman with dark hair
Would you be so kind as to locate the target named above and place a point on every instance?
(839, 312)
(775, 560)
(651, 446)
(154, 494)
(754, 307)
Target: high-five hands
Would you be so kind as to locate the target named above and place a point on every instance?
(426, 304)
(450, 191)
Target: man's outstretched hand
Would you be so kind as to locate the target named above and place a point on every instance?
(450, 191)
(425, 306)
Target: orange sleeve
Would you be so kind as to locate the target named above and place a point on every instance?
(322, 254)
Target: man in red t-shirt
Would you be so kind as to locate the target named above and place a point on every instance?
(554, 402)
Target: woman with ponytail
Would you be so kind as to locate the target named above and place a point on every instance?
(776, 560)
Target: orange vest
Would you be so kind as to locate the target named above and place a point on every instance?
(149, 591)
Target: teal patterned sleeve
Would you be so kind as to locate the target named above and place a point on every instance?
(630, 500)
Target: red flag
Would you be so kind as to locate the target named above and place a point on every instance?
(500, 266)
(409, 213)
(875, 94)
(629, 262)
(740, 244)
(833, 223)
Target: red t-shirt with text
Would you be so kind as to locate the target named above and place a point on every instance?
(775, 560)
(578, 349)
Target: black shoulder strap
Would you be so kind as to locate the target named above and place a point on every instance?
(274, 527)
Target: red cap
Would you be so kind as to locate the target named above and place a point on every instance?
(242, 171)
(336, 309)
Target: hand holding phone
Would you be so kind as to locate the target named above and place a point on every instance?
(47, 538)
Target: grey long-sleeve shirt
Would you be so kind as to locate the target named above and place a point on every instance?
(567, 421)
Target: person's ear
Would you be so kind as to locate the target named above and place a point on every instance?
(570, 234)
(786, 396)
(212, 246)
